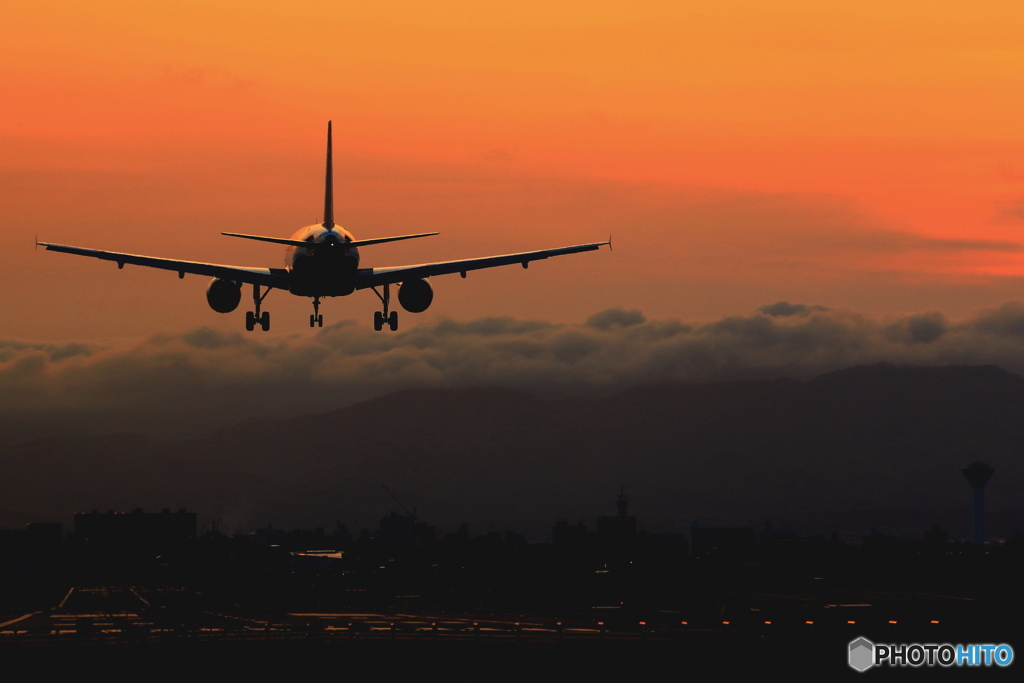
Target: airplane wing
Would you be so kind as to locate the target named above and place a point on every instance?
(267, 277)
(372, 277)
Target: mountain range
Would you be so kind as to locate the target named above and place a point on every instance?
(871, 447)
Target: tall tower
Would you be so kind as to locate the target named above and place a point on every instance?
(622, 504)
(978, 473)
(622, 527)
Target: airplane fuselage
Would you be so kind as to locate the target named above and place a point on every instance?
(327, 267)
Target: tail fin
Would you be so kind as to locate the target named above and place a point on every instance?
(329, 189)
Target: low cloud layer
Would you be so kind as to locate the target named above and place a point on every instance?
(205, 378)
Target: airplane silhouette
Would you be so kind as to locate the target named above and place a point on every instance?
(323, 260)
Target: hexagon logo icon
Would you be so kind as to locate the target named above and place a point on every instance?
(862, 654)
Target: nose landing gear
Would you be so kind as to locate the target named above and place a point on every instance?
(316, 320)
(382, 318)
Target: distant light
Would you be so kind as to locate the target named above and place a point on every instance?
(851, 622)
(934, 621)
(768, 623)
(684, 623)
(892, 621)
(809, 623)
(725, 623)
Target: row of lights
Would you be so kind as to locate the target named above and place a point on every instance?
(809, 622)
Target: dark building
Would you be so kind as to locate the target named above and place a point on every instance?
(564, 535)
(721, 541)
(403, 532)
(136, 529)
(621, 527)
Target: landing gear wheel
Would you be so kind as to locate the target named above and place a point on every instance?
(254, 318)
(316, 320)
(380, 318)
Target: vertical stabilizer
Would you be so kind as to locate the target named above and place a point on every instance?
(329, 189)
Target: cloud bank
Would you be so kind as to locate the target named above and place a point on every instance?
(204, 378)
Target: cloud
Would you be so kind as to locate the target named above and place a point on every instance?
(1009, 212)
(921, 328)
(903, 242)
(204, 378)
(10, 349)
(913, 242)
(1005, 321)
(616, 317)
(784, 308)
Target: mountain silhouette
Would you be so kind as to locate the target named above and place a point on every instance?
(867, 447)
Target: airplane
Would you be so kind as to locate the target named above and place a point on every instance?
(322, 260)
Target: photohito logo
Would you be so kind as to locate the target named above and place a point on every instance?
(863, 654)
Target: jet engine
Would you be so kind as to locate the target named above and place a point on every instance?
(223, 295)
(415, 296)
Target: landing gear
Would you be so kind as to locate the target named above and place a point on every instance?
(316, 320)
(254, 318)
(251, 321)
(380, 318)
(391, 321)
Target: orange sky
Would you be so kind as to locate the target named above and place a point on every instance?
(861, 155)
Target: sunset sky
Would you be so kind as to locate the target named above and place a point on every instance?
(864, 156)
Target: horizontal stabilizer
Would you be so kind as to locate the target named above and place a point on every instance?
(380, 240)
(275, 240)
(353, 243)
